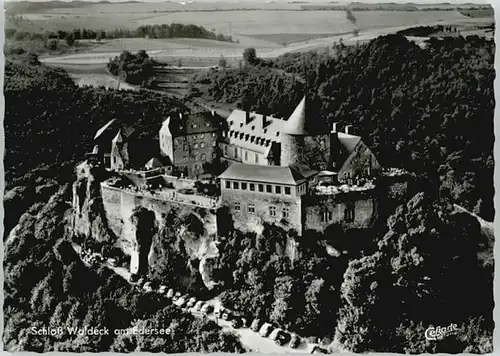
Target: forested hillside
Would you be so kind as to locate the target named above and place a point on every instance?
(429, 110)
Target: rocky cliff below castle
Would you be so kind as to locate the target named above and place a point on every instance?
(168, 240)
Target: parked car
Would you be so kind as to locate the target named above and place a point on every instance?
(176, 296)
(237, 323)
(207, 308)
(147, 287)
(219, 311)
(191, 302)
(162, 289)
(265, 330)
(282, 338)
(319, 350)
(227, 315)
(256, 324)
(180, 302)
(198, 305)
(295, 341)
(274, 334)
(170, 293)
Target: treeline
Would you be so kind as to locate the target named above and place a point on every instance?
(136, 69)
(43, 289)
(426, 31)
(43, 107)
(173, 30)
(428, 110)
(372, 290)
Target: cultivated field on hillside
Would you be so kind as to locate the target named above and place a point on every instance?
(278, 26)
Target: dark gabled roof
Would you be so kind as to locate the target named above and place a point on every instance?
(111, 128)
(342, 146)
(194, 123)
(291, 175)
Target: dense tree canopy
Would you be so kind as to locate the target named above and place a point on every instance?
(429, 110)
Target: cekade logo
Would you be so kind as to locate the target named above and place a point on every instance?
(438, 333)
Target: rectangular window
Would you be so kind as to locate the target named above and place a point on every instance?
(269, 188)
(225, 150)
(237, 207)
(195, 145)
(278, 189)
(246, 155)
(261, 188)
(252, 187)
(256, 158)
(288, 191)
(272, 210)
(243, 186)
(349, 213)
(286, 213)
(202, 144)
(251, 208)
(236, 185)
(326, 216)
(228, 185)
(235, 153)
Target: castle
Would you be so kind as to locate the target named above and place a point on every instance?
(268, 179)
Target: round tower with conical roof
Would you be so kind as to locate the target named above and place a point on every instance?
(293, 135)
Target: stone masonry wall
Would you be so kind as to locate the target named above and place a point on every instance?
(365, 211)
(245, 221)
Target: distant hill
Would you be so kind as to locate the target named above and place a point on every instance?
(23, 7)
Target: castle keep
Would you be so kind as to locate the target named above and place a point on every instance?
(268, 179)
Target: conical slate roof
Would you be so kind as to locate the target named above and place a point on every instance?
(297, 123)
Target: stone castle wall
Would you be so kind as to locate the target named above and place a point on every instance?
(324, 210)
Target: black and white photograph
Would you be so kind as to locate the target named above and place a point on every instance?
(276, 177)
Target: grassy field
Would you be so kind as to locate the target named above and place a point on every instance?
(261, 25)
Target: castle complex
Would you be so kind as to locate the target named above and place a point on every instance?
(268, 178)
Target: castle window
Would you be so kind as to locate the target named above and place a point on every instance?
(201, 135)
(237, 207)
(286, 213)
(246, 155)
(195, 145)
(278, 189)
(261, 188)
(326, 216)
(256, 158)
(288, 191)
(253, 128)
(185, 147)
(243, 186)
(228, 185)
(236, 185)
(349, 212)
(269, 188)
(202, 144)
(252, 187)
(251, 208)
(272, 210)
(277, 134)
(236, 153)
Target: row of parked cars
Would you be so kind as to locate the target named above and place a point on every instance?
(278, 335)
(177, 298)
(265, 329)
